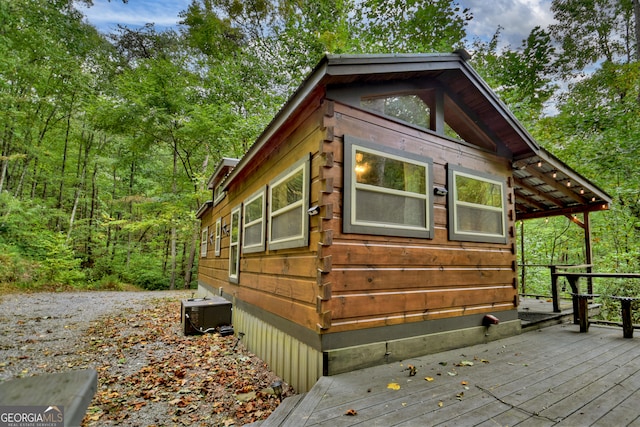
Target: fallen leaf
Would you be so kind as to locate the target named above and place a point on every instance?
(452, 374)
(465, 363)
(428, 378)
(351, 412)
(440, 404)
(464, 383)
(393, 386)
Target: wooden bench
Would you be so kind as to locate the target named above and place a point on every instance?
(72, 390)
(627, 323)
(583, 310)
(579, 298)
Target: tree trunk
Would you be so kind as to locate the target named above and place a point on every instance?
(636, 15)
(82, 162)
(174, 230)
(195, 238)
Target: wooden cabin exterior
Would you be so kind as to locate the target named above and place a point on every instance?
(373, 220)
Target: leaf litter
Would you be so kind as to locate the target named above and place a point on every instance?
(183, 380)
(149, 373)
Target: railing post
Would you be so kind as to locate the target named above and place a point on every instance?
(554, 289)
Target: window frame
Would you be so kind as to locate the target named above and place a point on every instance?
(349, 222)
(302, 238)
(203, 241)
(218, 237)
(235, 245)
(454, 171)
(260, 246)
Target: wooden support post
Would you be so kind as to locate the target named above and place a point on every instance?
(627, 325)
(573, 282)
(555, 295)
(588, 251)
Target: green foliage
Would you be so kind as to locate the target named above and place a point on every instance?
(106, 143)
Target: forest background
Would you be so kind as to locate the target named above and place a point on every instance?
(107, 140)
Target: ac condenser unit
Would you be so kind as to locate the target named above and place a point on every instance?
(200, 315)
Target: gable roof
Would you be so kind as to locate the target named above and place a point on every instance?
(543, 184)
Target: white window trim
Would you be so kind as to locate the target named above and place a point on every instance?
(235, 245)
(351, 186)
(260, 246)
(218, 237)
(475, 236)
(203, 242)
(302, 238)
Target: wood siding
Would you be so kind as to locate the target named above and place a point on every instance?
(370, 281)
(282, 282)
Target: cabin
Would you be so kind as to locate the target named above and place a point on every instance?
(373, 219)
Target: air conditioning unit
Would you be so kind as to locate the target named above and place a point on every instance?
(200, 315)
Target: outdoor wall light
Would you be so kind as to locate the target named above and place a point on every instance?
(440, 191)
(225, 228)
(313, 210)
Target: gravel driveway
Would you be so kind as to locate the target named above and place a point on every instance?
(149, 373)
(41, 332)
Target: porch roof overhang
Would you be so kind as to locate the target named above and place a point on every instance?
(543, 184)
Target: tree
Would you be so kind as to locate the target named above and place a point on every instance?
(594, 30)
(521, 76)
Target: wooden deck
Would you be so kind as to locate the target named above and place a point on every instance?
(552, 376)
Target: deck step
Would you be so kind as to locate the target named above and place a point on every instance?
(296, 413)
(281, 413)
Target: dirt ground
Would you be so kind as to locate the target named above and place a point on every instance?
(149, 373)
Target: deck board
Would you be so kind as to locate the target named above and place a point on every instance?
(554, 376)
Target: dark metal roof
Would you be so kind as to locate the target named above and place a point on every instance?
(544, 185)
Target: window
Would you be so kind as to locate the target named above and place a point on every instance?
(409, 108)
(203, 242)
(234, 245)
(253, 217)
(386, 191)
(477, 206)
(218, 194)
(218, 237)
(288, 202)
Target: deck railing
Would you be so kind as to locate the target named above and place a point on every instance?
(580, 314)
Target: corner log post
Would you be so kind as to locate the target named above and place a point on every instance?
(324, 264)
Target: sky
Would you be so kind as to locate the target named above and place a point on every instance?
(516, 17)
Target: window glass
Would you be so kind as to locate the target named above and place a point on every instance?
(477, 207)
(386, 191)
(409, 108)
(254, 211)
(288, 192)
(203, 242)
(218, 236)
(234, 245)
(288, 202)
(391, 173)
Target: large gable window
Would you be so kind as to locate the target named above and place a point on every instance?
(288, 202)
(477, 206)
(254, 215)
(409, 108)
(386, 191)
